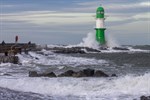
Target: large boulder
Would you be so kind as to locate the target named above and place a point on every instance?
(99, 73)
(68, 73)
(113, 75)
(33, 74)
(68, 50)
(145, 98)
(52, 74)
(88, 72)
(79, 74)
(120, 48)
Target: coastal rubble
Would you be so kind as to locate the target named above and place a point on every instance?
(70, 73)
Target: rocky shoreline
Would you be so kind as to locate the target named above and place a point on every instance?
(70, 73)
(81, 50)
(145, 97)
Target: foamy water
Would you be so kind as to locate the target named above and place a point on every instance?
(88, 41)
(123, 87)
(54, 59)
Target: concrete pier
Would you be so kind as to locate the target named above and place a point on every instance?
(8, 51)
(16, 47)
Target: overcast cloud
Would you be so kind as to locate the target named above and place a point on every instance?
(68, 21)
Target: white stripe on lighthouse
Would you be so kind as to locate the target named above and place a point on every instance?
(100, 23)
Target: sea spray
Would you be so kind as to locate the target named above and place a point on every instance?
(111, 42)
(89, 41)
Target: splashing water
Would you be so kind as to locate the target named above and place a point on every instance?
(111, 42)
(90, 41)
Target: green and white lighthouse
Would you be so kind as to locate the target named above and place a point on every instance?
(100, 28)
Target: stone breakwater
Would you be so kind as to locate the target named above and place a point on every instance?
(9, 59)
(8, 51)
(19, 47)
(70, 73)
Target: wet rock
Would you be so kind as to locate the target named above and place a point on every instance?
(103, 48)
(81, 50)
(120, 48)
(88, 72)
(99, 73)
(68, 73)
(33, 74)
(79, 74)
(113, 75)
(69, 50)
(52, 74)
(145, 98)
(6, 74)
(84, 73)
(36, 58)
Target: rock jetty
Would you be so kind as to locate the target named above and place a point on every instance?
(70, 73)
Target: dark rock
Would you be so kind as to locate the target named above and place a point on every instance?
(33, 74)
(120, 48)
(103, 48)
(113, 75)
(15, 60)
(88, 72)
(68, 73)
(6, 74)
(79, 74)
(99, 73)
(68, 50)
(84, 73)
(91, 49)
(36, 58)
(52, 74)
(145, 98)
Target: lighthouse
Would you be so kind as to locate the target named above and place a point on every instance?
(100, 28)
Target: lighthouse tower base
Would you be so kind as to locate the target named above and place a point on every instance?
(100, 36)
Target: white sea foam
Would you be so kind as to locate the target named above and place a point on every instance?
(119, 88)
(111, 41)
(54, 59)
(5, 64)
(88, 41)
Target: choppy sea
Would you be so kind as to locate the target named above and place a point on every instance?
(132, 68)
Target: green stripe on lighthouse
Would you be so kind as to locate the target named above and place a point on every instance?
(100, 36)
(100, 30)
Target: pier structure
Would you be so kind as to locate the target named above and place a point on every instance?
(8, 51)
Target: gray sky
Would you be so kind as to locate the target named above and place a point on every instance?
(68, 21)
